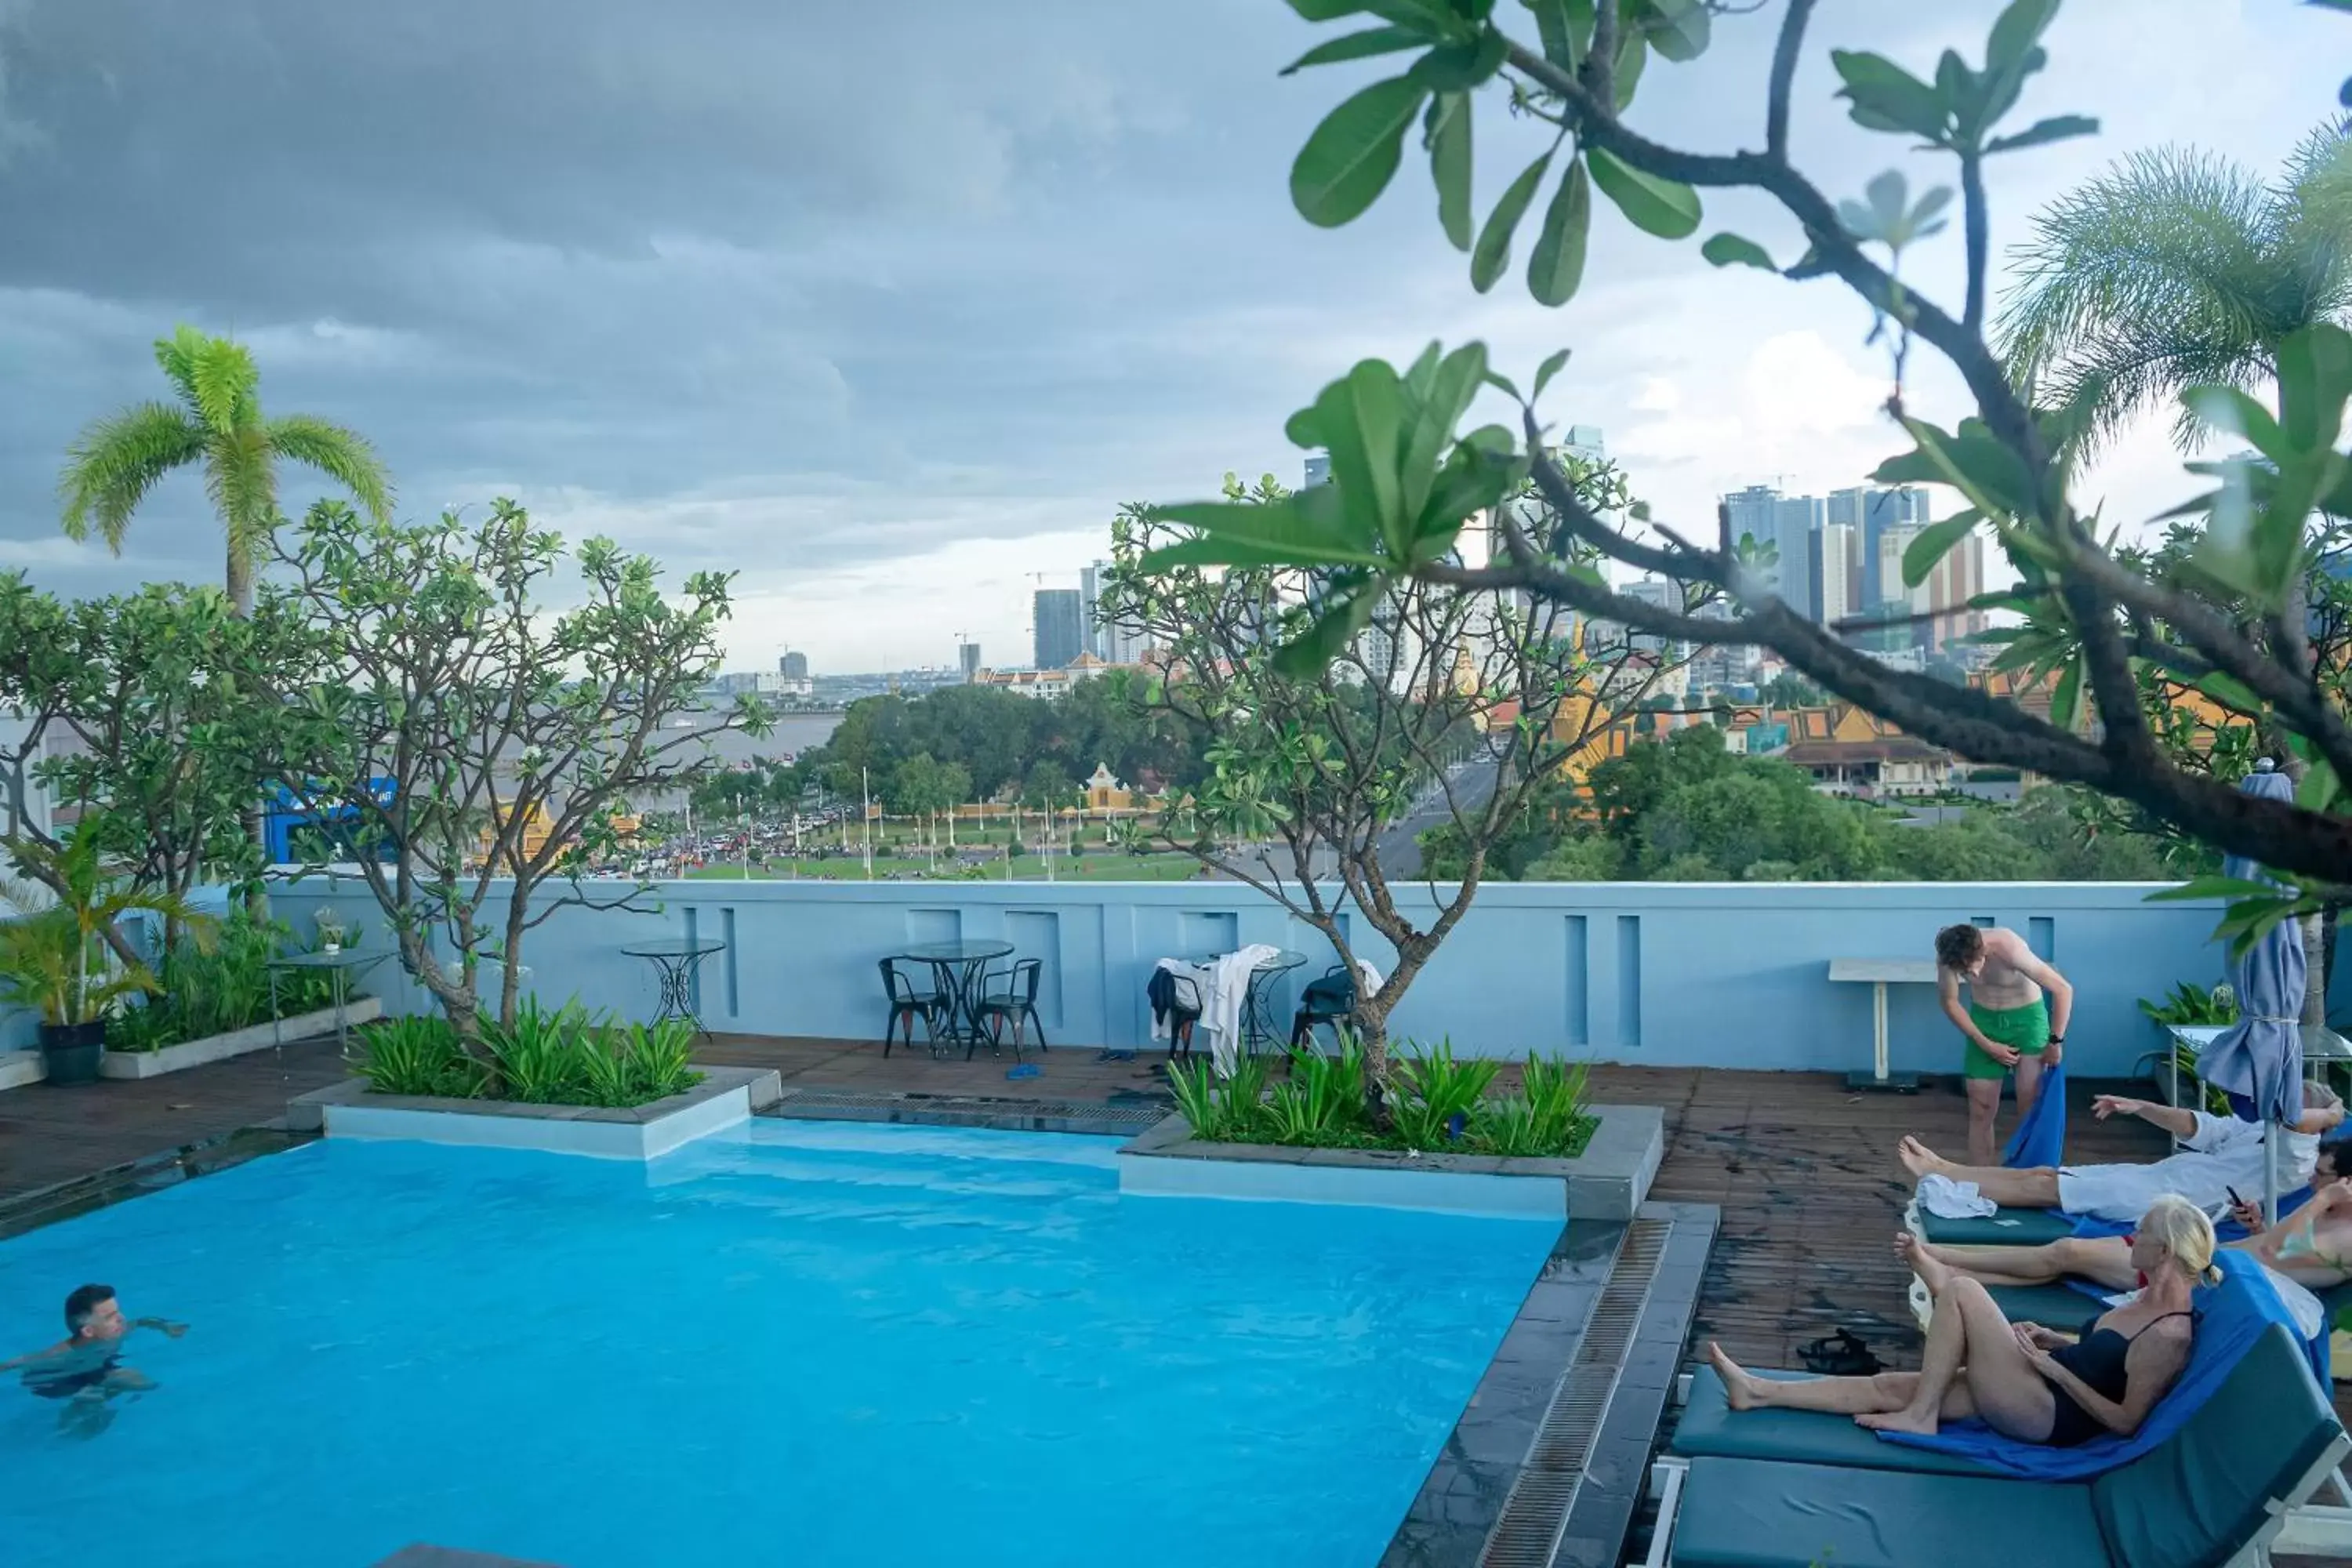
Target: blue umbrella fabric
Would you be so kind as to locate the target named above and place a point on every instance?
(2039, 1140)
(2258, 1059)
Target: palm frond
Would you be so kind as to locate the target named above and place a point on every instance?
(216, 376)
(2308, 225)
(243, 484)
(115, 462)
(342, 454)
(2167, 244)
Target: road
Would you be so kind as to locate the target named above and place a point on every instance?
(1473, 782)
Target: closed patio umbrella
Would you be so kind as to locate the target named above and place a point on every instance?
(2258, 1062)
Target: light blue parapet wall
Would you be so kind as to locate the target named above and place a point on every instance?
(1729, 974)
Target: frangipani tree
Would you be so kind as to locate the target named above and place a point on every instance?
(1569, 71)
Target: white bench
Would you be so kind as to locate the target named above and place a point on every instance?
(1878, 974)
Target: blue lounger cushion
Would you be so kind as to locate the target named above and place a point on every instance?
(2006, 1227)
(1756, 1514)
(1709, 1427)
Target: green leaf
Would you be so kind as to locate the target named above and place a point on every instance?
(1357, 46)
(2227, 408)
(2232, 692)
(2214, 887)
(1678, 29)
(1493, 251)
(1459, 67)
(1565, 29)
(1935, 542)
(2016, 31)
(2314, 378)
(1305, 656)
(1354, 152)
(2318, 790)
(1550, 367)
(1728, 250)
(2057, 128)
(1556, 266)
(2066, 700)
(1632, 54)
(1447, 135)
(1506, 385)
(1662, 207)
(1885, 97)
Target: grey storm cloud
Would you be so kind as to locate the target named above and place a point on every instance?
(727, 255)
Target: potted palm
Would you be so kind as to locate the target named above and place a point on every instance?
(55, 957)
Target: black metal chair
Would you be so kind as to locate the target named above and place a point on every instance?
(1016, 1004)
(1326, 1003)
(910, 1002)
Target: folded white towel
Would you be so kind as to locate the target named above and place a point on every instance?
(1948, 1199)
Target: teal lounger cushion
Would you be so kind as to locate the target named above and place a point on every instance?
(1757, 1514)
(1709, 1427)
(2200, 1497)
(2008, 1228)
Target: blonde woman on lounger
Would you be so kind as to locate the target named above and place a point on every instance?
(2021, 1379)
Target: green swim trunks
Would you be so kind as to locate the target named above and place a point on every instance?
(2024, 1029)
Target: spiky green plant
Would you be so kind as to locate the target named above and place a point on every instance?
(2178, 267)
(59, 963)
(1432, 1088)
(215, 423)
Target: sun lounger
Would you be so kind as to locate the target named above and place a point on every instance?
(2005, 1227)
(2214, 1491)
(1709, 1428)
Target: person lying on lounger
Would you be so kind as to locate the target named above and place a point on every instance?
(2218, 1154)
(2308, 1250)
(2021, 1379)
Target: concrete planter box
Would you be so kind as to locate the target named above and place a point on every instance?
(1607, 1182)
(237, 1042)
(725, 1098)
(20, 1067)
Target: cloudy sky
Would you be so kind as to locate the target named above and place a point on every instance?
(888, 306)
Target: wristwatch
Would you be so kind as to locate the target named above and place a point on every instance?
(2055, 1040)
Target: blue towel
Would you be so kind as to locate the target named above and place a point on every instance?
(2226, 1230)
(2039, 1140)
(2232, 1315)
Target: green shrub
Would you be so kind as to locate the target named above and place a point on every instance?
(564, 1057)
(206, 990)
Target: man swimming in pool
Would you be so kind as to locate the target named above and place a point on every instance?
(85, 1369)
(2014, 1020)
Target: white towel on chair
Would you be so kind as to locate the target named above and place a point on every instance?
(1948, 1199)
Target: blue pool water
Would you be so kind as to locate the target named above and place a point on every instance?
(812, 1344)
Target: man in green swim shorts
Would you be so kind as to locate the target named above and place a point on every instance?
(2015, 1020)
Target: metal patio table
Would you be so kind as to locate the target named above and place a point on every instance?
(961, 968)
(1258, 1023)
(677, 962)
(340, 965)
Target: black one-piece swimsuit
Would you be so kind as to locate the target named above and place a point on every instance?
(2097, 1357)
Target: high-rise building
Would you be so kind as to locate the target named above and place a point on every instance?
(793, 665)
(968, 657)
(1874, 511)
(1059, 626)
(1090, 585)
(1318, 469)
(1795, 521)
(1957, 578)
(1836, 573)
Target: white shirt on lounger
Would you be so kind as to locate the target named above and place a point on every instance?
(2224, 1153)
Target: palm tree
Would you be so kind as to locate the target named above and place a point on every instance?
(216, 422)
(2178, 267)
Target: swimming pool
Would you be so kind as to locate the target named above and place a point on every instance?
(810, 1343)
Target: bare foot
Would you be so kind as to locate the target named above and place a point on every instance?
(1923, 1422)
(1918, 1158)
(1921, 1260)
(1739, 1390)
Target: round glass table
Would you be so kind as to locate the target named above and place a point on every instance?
(960, 968)
(677, 964)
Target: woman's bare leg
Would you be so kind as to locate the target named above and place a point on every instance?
(2103, 1261)
(1969, 1338)
(1830, 1395)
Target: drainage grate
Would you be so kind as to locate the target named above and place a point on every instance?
(1528, 1532)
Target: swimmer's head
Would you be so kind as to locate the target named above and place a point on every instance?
(92, 1313)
